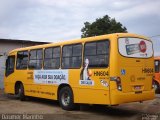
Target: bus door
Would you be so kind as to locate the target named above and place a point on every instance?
(9, 82)
(10, 62)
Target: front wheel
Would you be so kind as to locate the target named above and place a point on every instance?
(21, 93)
(66, 98)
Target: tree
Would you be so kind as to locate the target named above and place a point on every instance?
(101, 26)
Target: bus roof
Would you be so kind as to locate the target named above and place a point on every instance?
(80, 40)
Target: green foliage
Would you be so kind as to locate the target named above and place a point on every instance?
(101, 26)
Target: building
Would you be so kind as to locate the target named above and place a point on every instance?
(7, 45)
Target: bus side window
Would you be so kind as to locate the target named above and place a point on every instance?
(10, 62)
(52, 58)
(72, 56)
(22, 60)
(97, 53)
(35, 59)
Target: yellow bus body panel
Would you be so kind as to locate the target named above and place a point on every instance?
(96, 94)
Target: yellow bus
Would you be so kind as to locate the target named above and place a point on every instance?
(108, 70)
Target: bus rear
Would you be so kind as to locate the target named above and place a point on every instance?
(134, 66)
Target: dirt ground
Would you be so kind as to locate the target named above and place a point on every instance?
(35, 108)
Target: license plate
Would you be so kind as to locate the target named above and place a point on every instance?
(137, 87)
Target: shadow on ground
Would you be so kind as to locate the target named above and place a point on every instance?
(88, 112)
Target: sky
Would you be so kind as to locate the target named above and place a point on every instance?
(59, 20)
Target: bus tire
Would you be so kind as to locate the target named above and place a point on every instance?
(65, 98)
(21, 92)
(157, 88)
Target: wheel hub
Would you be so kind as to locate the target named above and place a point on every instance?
(65, 99)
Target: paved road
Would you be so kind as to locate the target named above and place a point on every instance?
(51, 110)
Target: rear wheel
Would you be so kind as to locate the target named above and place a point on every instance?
(66, 98)
(21, 92)
(156, 87)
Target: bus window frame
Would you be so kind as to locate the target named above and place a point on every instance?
(52, 57)
(96, 48)
(73, 56)
(36, 59)
(27, 60)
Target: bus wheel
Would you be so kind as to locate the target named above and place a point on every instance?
(21, 92)
(66, 98)
(156, 87)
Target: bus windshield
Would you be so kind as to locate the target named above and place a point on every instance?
(135, 47)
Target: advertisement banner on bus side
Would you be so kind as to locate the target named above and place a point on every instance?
(51, 76)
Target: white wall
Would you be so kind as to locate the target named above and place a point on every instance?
(2, 69)
(5, 47)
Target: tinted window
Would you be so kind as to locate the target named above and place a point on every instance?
(56, 52)
(35, 59)
(52, 58)
(90, 48)
(97, 53)
(22, 60)
(67, 51)
(48, 53)
(10, 62)
(77, 50)
(102, 47)
(33, 54)
(72, 56)
(39, 54)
